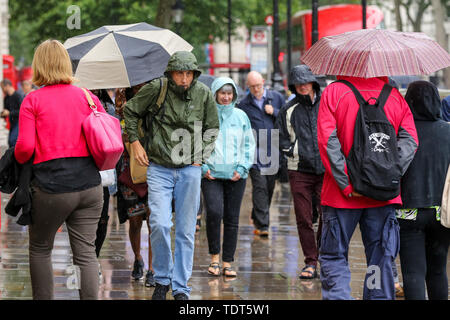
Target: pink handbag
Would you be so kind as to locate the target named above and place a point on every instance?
(103, 136)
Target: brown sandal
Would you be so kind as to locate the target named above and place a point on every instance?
(228, 269)
(215, 266)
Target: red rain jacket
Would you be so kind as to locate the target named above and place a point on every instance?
(335, 129)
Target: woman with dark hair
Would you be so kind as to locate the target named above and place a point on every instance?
(130, 205)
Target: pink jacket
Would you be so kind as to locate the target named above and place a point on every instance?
(335, 127)
(50, 121)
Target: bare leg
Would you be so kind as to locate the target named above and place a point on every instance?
(134, 234)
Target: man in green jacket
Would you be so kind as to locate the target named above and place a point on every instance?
(179, 136)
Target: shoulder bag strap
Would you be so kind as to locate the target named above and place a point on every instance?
(162, 91)
(162, 95)
(92, 105)
(163, 85)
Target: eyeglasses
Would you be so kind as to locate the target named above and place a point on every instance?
(256, 86)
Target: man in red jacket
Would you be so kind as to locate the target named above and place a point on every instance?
(343, 208)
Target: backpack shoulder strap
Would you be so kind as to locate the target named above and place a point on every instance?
(384, 95)
(148, 120)
(381, 100)
(163, 81)
(162, 91)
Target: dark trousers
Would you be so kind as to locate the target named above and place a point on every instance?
(81, 212)
(222, 200)
(13, 135)
(380, 236)
(303, 187)
(262, 191)
(102, 223)
(424, 244)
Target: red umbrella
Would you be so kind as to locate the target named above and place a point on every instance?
(371, 53)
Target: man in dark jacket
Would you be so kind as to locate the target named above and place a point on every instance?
(262, 106)
(297, 122)
(12, 101)
(176, 152)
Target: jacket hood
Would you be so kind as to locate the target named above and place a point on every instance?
(424, 100)
(302, 74)
(224, 110)
(220, 82)
(181, 61)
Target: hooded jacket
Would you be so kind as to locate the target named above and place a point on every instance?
(297, 122)
(178, 127)
(423, 182)
(235, 146)
(335, 129)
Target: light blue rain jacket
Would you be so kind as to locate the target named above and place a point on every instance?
(235, 146)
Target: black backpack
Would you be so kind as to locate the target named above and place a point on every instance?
(373, 161)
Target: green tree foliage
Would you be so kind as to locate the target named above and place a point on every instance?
(32, 22)
(204, 20)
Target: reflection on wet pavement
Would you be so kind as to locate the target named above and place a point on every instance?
(268, 269)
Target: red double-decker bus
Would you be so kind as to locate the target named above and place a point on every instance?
(332, 20)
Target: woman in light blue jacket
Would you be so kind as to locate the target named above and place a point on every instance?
(224, 176)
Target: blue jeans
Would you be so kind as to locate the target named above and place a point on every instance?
(13, 135)
(182, 184)
(380, 235)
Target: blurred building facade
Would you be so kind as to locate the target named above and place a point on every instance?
(4, 31)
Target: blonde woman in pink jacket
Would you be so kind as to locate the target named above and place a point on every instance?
(66, 184)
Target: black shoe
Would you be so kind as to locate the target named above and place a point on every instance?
(181, 296)
(160, 292)
(264, 233)
(149, 280)
(138, 270)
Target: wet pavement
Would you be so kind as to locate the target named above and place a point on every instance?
(268, 269)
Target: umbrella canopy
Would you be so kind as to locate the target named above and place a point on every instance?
(206, 79)
(123, 55)
(371, 53)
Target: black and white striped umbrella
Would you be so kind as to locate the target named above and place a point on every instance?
(122, 56)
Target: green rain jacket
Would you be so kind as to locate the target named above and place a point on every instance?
(184, 129)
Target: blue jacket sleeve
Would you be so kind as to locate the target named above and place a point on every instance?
(278, 104)
(248, 146)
